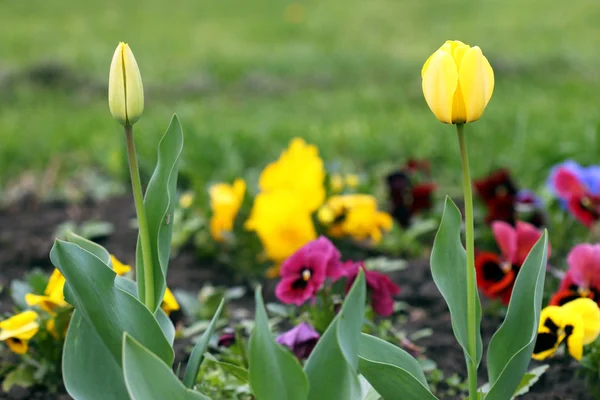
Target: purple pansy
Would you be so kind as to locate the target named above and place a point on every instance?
(301, 340)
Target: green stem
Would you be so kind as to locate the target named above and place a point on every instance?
(136, 185)
(471, 284)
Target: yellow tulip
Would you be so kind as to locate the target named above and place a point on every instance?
(125, 89)
(458, 82)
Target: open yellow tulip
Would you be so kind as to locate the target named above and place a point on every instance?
(458, 82)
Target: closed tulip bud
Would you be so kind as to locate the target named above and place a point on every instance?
(125, 89)
(458, 82)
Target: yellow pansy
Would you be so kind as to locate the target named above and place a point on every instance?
(355, 215)
(299, 171)
(577, 323)
(119, 267)
(169, 303)
(17, 330)
(53, 296)
(225, 202)
(458, 82)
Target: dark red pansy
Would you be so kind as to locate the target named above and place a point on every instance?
(381, 288)
(498, 192)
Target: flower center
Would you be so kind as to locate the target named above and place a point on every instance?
(306, 273)
(302, 282)
(588, 205)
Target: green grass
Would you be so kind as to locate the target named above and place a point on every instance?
(244, 80)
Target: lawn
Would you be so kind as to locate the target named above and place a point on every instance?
(246, 77)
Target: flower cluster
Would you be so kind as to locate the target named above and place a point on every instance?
(582, 278)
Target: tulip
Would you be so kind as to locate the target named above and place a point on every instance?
(125, 89)
(458, 82)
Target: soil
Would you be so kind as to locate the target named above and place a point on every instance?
(27, 232)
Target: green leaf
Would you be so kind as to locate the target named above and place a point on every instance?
(275, 373)
(529, 379)
(108, 309)
(147, 377)
(331, 367)
(88, 365)
(90, 246)
(449, 270)
(509, 352)
(240, 373)
(159, 203)
(193, 365)
(391, 370)
(21, 376)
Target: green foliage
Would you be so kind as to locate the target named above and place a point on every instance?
(159, 203)
(509, 352)
(448, 267)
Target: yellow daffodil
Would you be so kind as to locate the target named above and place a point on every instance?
(299, 171)
(18, 330)
(225, 202)
(186, 200)
(355, 215)
(458, 82)
(53, 296)
(282, 223)
(119, 267)
(577, 323)
(125, 89)
(169, 303)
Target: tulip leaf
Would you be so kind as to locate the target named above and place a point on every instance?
(449, 270)
(391, 370)
(510, 349)
(159, 203)
(147, 377)
(107, 308)
(90, 246)
(331, 367)
(193, 365)
(275, 373)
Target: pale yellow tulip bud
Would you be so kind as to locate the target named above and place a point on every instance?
(125, 89)
(458, 82)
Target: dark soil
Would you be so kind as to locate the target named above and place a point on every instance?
(27, 233)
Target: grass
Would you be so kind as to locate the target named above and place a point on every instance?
(245, 77)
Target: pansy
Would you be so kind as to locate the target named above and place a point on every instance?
(118, 266)
(169, 303)
(53, 296)
(301, 340)
(227, 338)
(496, 274)
(498, 192)
(582, 279)
(380, 286)
(576, 323)
(304, 273)
(355, 215)
(225, 202)
(578, 189)
(408, 197)
(17, 330)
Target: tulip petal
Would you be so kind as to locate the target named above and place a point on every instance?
(134, 88)
(474, 78)
(116, 88)
(440, 80)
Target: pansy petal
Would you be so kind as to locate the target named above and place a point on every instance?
(506, 238)
(527, 237)
(567, 183)
(440, 80)
(589, 312)
(584, 265)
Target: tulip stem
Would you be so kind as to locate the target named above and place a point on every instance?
(138, 197)
(470, 247)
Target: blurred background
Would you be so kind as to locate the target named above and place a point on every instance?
(247, 76)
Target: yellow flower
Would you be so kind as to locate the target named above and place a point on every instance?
(299, 170)
(352, 181)
(125, 89)
(18, 330)
(186, 200)
(336, 182)
(458, 82)
(119, 267)
(577, 322)
(169, 303)
(225, 202)
(355, 215)
(282, 223)
(53, 296)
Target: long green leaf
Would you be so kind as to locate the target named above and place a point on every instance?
(331, 366)
(275, 373)
(147, 377)
(391, 370)
(159, 203)
(193, 365)
(449, 270)
(509, 352)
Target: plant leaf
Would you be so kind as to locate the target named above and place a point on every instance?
(509, 352)
(449, 270)
(159, 203)
(275, 373)
(193, 365)
(147, 377)
(530, 378)
(331, 365)
(21, 376)
(90, 246)
(391, 370)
